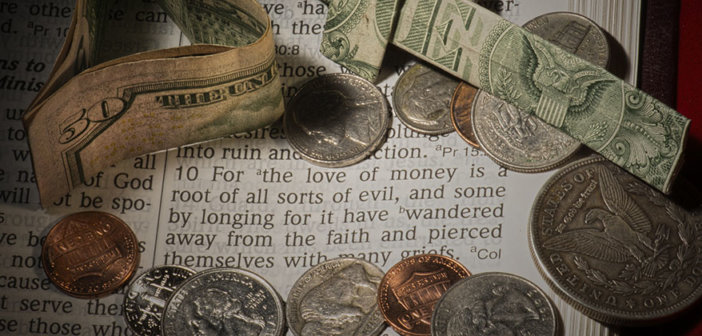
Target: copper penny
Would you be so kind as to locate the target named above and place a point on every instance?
(410, 289)
(461, 103)
(90, 254)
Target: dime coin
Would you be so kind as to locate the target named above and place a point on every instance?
(90, 254)
(336, 297)
(146, 297)
(422, 98)
(336, 120)
(409, 290)
(494, 304)
(615, 248)
(461, 104)
(224, 301)
(518, 140)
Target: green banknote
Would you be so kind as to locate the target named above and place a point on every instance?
(90, 116)
(624, 124)
(357, 32)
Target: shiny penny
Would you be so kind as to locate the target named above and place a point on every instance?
(336, 297)
(410, 289)
(90, 254)
(146, 297)
(461, 104)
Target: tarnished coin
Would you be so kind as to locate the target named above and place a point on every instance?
(422, 98)
(146, 297)
(336, 297)
(461, 104)
(517, 140)
(574, 33)
(336, 120)
(494, 304)
(523, 142)
(224, 301)
(615, 248)
(90, 254)
(409, 290)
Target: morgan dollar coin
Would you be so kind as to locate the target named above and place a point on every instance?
(336, 120)
(147, 295)
(410, 289)
(90, 254)
(422, 99)
(336, 297)
(224, 301)
(494, 304)
(615, 248)
(523, 142)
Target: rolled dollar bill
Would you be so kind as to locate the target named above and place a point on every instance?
(90, 116)
(624, 124)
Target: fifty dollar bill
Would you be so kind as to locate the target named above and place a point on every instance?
(89, 116)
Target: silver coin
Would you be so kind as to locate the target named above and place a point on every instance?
(146, 297)
(615, 248)
(224, 301)
(336, 120)
(422, 99)
(494, 303)
(337, 297)
(518, 140)
(574, 33)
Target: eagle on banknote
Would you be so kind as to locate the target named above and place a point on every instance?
(560, 83)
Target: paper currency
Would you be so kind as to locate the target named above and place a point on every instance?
(628, 127)
(90, 116)
(356, 34)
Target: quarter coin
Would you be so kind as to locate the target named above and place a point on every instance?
(422, 99)
(410, 289)
(494, 304)
(90, 254)
(615, 248)
(336, 297)
(146, 297)
(336, 120)
(224, 301)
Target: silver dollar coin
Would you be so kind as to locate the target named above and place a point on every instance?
(224, 301)
(615, 248)
(146, 297)
(523, 142)
(336, 297)
(336, 120)
(494, 304)
(422, 99)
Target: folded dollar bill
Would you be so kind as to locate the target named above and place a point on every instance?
(624, 124)
(89, 115)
